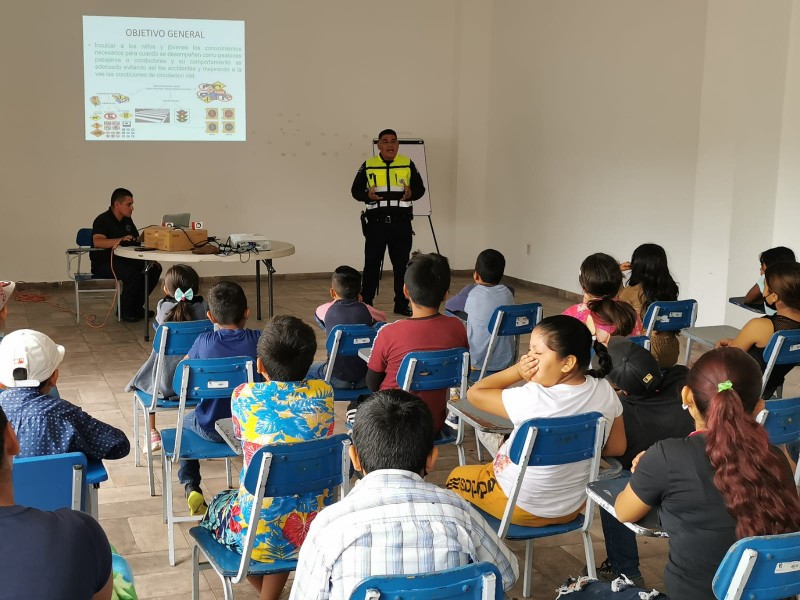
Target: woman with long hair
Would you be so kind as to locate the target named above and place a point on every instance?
(782, 290)
(650, 282)
(722, 483)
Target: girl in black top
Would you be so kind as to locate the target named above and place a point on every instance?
(781, 288)
(722, 483)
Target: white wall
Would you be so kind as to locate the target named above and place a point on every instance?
(323, 78)
(593, 131)
(569, 126)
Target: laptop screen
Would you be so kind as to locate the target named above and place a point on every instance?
(177, 220)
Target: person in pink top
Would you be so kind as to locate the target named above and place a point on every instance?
(601, 310)
(426, 282)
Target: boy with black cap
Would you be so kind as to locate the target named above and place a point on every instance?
(652, 411)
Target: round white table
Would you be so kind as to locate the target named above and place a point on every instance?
(278, 250)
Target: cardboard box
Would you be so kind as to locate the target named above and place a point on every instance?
(174, 240)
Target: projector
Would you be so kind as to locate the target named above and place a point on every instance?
(250, 241)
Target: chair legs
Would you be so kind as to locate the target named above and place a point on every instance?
(169, 510)
(528, 572)
(591, 569)
(227, 585)
(136, 451)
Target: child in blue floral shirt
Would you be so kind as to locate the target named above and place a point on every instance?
(284, 408)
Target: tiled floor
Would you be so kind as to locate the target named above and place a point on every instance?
(99, 363)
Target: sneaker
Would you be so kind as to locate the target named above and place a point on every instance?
(155, 440)
(197, 504)
(351, 416)
(607, 574)
(452, 420)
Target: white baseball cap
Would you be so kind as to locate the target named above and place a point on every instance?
(32, 355)
(6, 290)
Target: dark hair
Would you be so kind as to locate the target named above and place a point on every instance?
(185, 278)
(776, 255)
(286, 348)
(784, 279)
(601, 278)
(567, 336)
(751, 479)
(227, 303)
(490, 266)
(119, 194)
(649, 268)
(346, 281)
(385, 131)
(393, 430)
(428, 279)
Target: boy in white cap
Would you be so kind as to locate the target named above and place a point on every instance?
(45, 425)
(6, 291)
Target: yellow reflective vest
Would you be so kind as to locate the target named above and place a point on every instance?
(393, 177)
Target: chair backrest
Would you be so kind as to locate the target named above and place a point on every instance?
(50, 482)
(764, 567)
(175, 339)
(208, 379)
(783, 349)
(554, 441)
(670, 316)
(288, 469)
(435, 370)
(781, 420)
(347, 340)
(476, 581)
(511, 319)
(84, 237)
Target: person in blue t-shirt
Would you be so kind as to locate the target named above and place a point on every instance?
(228, 310)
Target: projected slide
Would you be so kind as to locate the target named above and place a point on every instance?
(163, 79)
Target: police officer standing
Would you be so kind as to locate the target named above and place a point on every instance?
(388, 184)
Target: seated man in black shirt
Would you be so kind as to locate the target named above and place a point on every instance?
(652, 411)
(110, 229)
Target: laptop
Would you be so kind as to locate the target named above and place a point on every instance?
(177, 220)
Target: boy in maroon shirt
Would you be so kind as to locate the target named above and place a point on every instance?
(426, 282)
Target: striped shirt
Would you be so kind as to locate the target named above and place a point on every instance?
(393, 522)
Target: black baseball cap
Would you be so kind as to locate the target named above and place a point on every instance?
(634, 369)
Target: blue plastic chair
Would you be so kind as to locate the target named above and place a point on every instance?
(477, 581)
(347, 340)
(51, 482)
(171, 339)
(83, 239)
(664, 315)
(783, 349)
(437, 370)
(781, 419)
(763, 567)
(275, 470)
(198, 379)
(544, 442)
(511, 319)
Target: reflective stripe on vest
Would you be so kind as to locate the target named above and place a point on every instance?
(393, 177)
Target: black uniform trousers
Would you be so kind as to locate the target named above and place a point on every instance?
(131, 273)
(379, 234)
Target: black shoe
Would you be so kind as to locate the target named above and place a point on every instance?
(132, 318)
(607, 574)
(402, 310)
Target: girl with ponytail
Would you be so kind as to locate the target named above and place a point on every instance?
(557, 383)
(182, 302)
(722, 483)
(601, 310)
